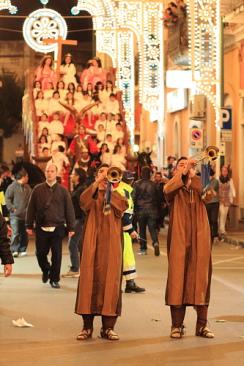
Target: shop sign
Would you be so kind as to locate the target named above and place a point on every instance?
(226, 135)
(226, 117)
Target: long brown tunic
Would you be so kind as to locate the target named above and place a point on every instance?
(189, 245)
(99, 289)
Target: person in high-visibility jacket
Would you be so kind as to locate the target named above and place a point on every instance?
(129, 265)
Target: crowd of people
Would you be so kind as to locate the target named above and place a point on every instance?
(94, 215)
(80, 127)
(79, 119)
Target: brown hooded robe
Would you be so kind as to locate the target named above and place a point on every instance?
(99, 289)
(189, 244)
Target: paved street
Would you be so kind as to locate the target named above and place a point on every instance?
(143, 328)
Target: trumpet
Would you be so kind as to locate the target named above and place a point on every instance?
(211, 153)
(114, 174)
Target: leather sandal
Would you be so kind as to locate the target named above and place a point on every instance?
(204, 332)
(84, 335)
(109, 334)
(177, 332)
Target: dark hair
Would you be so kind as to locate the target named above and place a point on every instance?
(40, 138)
(104, 165)
(56, 92)
(67, 55)
(71, 84)
(104, 144)
(112, 95)
(39, 92)
(99, 62)
(81, 174)
(44, 60)
(61, 148)
(98, 84)
(35, 82)
(95, 97)
(211, 172)
(181, 158)
(145, 172)
(20, 174)
(158, 173)
(116, 149)
(61, 81)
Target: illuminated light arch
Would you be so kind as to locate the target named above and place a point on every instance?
(116, 25)
(204, 48)
(115, 22)
(7, 5)
(44, 24)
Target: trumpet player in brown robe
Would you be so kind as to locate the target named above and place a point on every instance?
(99, 289)
(189, 250)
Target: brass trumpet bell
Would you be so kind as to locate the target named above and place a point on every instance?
(114, 174)
(211, 153)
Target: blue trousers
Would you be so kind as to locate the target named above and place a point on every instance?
(19, 238)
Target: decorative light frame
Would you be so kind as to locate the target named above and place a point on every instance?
(134, 21)
(53, 24)
(205, 48)
(6, 5)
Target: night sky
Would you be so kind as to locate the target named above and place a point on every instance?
(25, 7)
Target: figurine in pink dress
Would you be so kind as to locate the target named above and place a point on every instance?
(45, 73)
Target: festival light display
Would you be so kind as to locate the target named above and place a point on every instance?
(119, 27)
(204, 24)
(44, 24)
(7, 5)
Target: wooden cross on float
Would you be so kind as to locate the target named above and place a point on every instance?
(58, 55)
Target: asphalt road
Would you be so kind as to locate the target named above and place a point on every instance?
(143, 327)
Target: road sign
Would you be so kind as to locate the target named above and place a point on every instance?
(197, 138)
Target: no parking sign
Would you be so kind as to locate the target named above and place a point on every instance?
(197, 138)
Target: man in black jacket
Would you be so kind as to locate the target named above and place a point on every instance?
(50, 207)
(145, 196)
(5, 252)
(75, 242)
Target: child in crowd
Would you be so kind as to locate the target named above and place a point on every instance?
(62, 91)
(54, 105)
(118, 132)
(56, 126)
(112, 105)
(36, 88)
(68, 70)
(101, 121)
(43, 143)
(43, 123)
(101, 132)
(41, 104)
(105, 154)
(45, 132)
(48, 93)
(58, 140)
